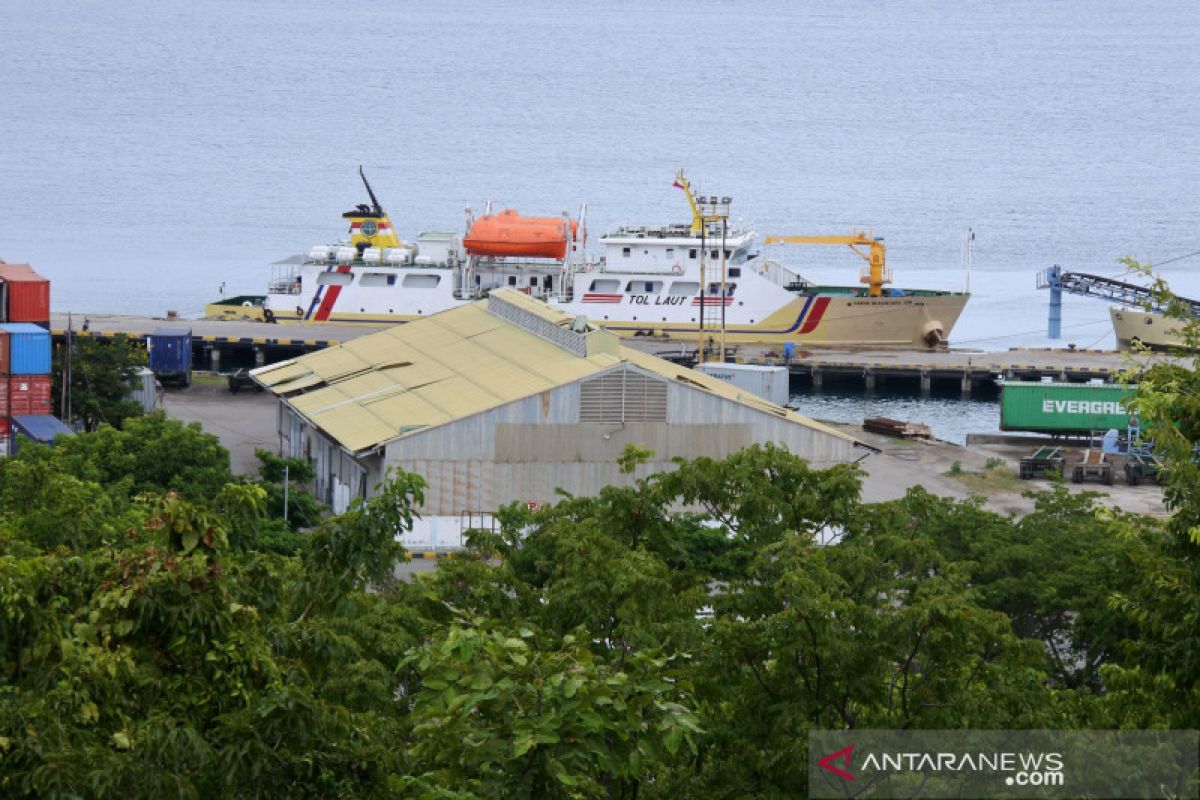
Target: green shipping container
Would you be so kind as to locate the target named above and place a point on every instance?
(1063, 407)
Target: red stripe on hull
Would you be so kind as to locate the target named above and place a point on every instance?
(331, 295)
(814, 317)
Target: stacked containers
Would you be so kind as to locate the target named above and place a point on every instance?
(24, 374)
(24, 295)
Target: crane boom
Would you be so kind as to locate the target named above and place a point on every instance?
(876, 274)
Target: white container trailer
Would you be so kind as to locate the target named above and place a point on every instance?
(769, 383)
(145, 391)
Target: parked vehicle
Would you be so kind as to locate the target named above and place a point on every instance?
(241, 380)
(1045, 462)
(1141, 467)
(171, 355)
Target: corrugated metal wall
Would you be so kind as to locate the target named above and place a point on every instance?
(457, 488)
(587, 442)
(340, 478)
(526, 450)
(474, 437)
(686, 404)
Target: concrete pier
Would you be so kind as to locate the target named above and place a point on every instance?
(243, 343)
(927, 370)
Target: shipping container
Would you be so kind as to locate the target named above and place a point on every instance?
(28, 394)
(42, 428)
(1064, 407)
(4, 445)
(24, 295)
(769, 383)
(24, 349)
(3, 423)
(145, 393)
(171, 354)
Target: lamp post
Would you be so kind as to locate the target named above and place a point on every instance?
(713, 209)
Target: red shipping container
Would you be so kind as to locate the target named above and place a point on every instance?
(3, 426)
(26, 295)
(28, 394)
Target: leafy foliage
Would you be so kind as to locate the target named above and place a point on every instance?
(160, 636)
(102, 374)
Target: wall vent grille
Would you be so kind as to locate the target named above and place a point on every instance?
(623, 396)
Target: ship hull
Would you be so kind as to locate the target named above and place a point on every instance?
(810, 320)
(1137, 329)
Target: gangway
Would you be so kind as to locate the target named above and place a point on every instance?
(1087, 285)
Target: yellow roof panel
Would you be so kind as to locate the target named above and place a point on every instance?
(354, 428)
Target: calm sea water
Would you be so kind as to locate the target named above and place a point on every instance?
(946, 411)
(155, 150)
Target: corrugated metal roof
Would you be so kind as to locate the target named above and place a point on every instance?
(41, 427)
(451, 365)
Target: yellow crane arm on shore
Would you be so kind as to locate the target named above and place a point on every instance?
(876, 274)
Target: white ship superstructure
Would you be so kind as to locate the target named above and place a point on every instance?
(670, 281)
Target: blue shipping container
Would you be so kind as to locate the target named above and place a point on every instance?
(170, 350)
(28, 348)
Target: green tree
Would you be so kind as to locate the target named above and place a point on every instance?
(303, 510)
(1161, 679)
(150, 454)
(103, 372)
(677, 637)
(164, 662)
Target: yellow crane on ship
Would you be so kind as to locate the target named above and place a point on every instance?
(875, 274)
(707, 211)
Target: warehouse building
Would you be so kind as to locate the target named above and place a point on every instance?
(507, 399)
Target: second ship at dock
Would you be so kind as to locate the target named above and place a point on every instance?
(670, 282)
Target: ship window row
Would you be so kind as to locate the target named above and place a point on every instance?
(676, 289)
(693, 253)
(414, 281)
(547, 281)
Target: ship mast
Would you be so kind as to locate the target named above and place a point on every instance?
(706, 210)
(374, 202)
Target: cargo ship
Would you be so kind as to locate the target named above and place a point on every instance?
(1137, 328)
(677, 281)
(1139, 317)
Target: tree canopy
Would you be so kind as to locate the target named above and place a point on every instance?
(678, 637)
(103, 372)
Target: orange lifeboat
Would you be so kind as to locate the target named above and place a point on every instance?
(510, 234)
